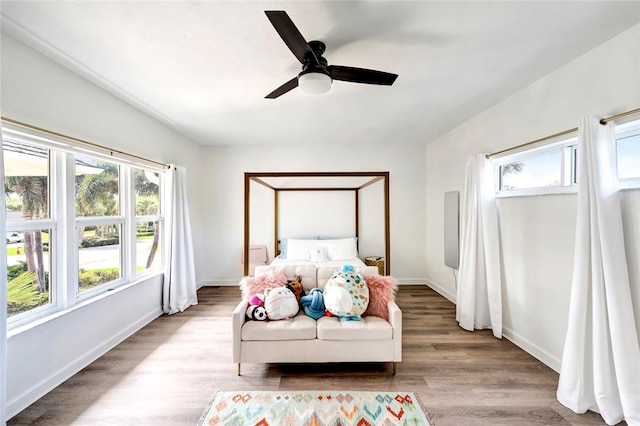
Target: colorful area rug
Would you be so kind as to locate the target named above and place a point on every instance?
(311, 408)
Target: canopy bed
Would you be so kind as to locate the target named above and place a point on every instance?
(310, 334)
(349, 185)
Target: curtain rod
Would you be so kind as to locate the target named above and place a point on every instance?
(83, 142)
(565, 132)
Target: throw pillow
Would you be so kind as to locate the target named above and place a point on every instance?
(257, 285)
(318, 254)
(382, 289)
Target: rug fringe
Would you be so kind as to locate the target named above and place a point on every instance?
(208, 407)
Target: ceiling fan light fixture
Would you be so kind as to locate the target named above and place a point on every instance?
(314, 82)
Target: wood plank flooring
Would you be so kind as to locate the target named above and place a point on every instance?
(166, 373)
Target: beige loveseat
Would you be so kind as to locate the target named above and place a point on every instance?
(303, 339)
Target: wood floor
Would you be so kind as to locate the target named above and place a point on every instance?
(166, 373)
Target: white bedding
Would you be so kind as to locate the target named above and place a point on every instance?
(356, 262)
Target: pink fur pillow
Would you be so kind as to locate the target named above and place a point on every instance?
(257, 285)
(382, 289)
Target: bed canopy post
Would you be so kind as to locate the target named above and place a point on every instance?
(357, 223)
(247, 208)
(387, 232)
(276, 232)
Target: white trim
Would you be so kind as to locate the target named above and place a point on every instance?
(442, 291)
(543, 190)
(3, 301)
(99, 220)
(631, 183)
(532, 349)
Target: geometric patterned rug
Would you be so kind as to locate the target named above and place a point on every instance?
(312, 408)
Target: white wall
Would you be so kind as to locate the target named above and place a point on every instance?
(537, 233)
(224, 198)
(37, 91)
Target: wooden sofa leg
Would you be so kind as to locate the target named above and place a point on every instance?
(238, 369)
(393, 368)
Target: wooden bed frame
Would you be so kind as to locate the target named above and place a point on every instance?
(370, 178)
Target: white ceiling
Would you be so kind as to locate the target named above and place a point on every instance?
(204, 67)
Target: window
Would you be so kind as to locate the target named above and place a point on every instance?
(545, 170)
(628, 154)
(79, 223)
(29, 229)
(552, 169)
(98, 222)
(148, 219)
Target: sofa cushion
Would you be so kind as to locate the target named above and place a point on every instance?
(368, 328)
(300, 327)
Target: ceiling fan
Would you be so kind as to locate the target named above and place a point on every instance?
(316, 75)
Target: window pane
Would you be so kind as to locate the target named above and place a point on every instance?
(99, 256)
(96, 187)
(28, 270)
(148, 246)
(629, 157)
(147, 190)
(533, 172)
(26, 181)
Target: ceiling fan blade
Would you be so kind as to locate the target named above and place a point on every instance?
(289, 85)
(291, 36)
(361, 75)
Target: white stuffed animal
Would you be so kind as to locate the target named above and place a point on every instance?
(280, 303)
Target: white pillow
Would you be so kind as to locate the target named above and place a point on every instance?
(319, 254)
(342, 249)
(299, 249)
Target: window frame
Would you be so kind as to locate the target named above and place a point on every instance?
(567, 148)
(569, 165)
(631, 128)
(62, 223)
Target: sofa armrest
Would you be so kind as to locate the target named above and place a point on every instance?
(238, 318)
(395, 319)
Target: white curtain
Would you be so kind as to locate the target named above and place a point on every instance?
(479, 294)
(3, 299)
(601, 360)
(179, 290)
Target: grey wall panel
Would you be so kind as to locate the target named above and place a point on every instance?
(451, 228)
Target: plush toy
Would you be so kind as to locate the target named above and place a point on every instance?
(256, 310)
(295, 285)
(256, 300)
(346, 294)
(256, 313)
(280, 303)
(313, 303)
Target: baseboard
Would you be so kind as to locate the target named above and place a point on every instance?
(219, 283)
(442, 291)
(49, 383)
(414, 281)
(532, 349)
